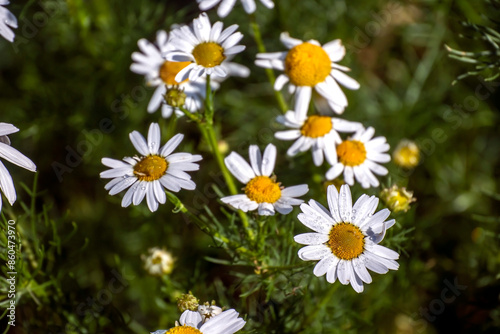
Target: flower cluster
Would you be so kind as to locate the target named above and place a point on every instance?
(186, 65)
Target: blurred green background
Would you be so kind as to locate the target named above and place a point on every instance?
(65, 82)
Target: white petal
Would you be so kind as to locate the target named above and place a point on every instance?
(365, 206)
(139, 143)
(295, 191)
(139, 193)
(288, 41)
(331, 274)
(239, 167)
(171, 145)
(122, 185)
(185, 72)
(345, 203)
(288, 135)
(335, 171)
(317, 154)
(225, 323)
(312, 253)
(249, 6)
(255, 158)
(127, 198)
(311, 238)
(333, 202)
(225, 7)
(280, 82)
(154, 138)
(344, 79)
(150, 198)
(207, 4)
(335, 50)
(7, 129)
(116, 172)
(356, 282)
(383, 252)
(191, 318)
(157, 98)
(159, 193)
(266, 209)
(17, 158)
(302, 101)
(360, 270)
(7, 185)
(328, 262)
(268, 160)
(342, 272)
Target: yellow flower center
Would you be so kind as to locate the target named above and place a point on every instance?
(183, 330)
(316, 126)
(351, 152)
(307, 64)
(262, 189)
(156, 259)
(150, 168)
(169, 70)
(346, 241)
(407, 156)
(208, 54)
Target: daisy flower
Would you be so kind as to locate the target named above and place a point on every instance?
(309, 65)
(406, 154)
(160, 73)
(262, 192)
(13, 156)
(227, 5)
(7, 19)
(358, 157)
(204, 47)
(345, 238)
(147, 175)
(191, 322)
(158, 262)
(316, 132)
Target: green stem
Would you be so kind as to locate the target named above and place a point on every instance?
(321, 305)
(171, 126)
(208, 132)
(180, 207)
(270, 73)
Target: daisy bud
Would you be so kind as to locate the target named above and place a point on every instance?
(406, 154)
(397, 199)
(175, 97)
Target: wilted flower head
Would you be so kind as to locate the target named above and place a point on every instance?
(187, 302)
(397, 199)
(158, 262)
(208, 310)
(406, 154)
